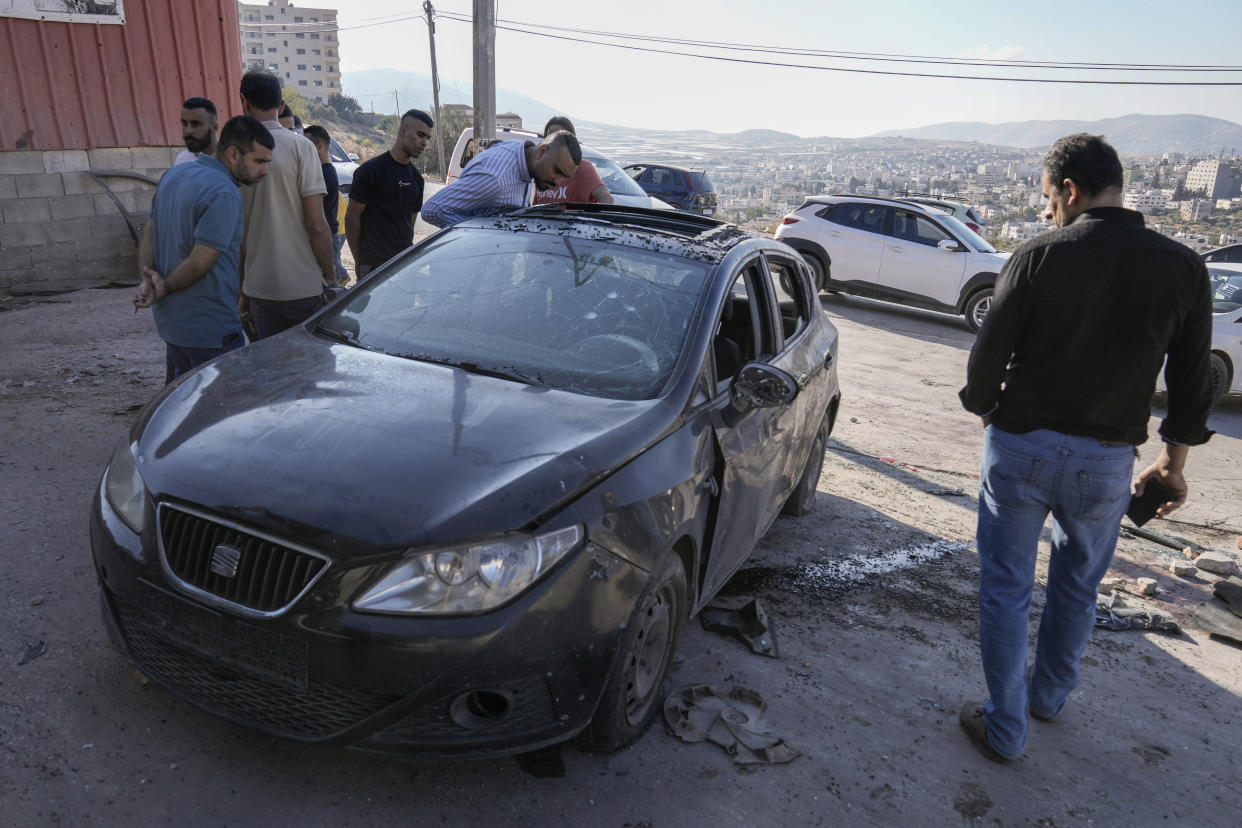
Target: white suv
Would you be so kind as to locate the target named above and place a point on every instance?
(897, 251)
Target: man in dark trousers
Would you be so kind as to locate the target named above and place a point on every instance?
(323, 142)
(189, 255)
(1062, 374)
(386, 195)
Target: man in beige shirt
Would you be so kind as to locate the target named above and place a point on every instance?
(288, 246)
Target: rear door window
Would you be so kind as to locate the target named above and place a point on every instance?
(866, 217)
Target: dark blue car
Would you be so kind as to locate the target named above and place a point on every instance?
(689, 190)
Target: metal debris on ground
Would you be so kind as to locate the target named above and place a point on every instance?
(1111, 613)
(32, 652)
(748, 622)
(729, 716)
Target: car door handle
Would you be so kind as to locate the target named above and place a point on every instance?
(896, 248)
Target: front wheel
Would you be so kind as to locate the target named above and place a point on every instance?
(802, 500)
(977, 307)
(1220, 376)
(633, 695)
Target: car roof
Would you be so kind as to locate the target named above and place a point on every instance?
(662, 164)
(931, 209)
(684, 234)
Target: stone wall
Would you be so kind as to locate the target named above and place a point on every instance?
(57, 225)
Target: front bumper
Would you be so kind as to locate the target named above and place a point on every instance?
(525, 675)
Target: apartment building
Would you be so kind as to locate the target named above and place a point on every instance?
(299, 45)
(1144, 200)
(1214, 179)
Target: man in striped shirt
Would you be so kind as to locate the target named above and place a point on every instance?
(500, 178)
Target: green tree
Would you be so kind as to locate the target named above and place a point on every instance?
(345, 106)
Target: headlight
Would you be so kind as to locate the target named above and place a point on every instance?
(468, 578)
(124, 488)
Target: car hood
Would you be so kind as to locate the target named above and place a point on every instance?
(317, 440)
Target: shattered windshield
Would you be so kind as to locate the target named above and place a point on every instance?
(587, 315)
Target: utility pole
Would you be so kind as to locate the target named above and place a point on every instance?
(435, 87)
(484, 71)
(396, 104)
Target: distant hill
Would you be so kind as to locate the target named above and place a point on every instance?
(1129, 134)
(374, 90)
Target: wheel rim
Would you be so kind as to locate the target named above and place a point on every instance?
(981, 309)
(646, 667)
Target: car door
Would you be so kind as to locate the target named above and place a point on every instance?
(915, 265)
(852, 233)
(750, 444)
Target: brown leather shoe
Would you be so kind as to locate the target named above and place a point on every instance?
(971, 719)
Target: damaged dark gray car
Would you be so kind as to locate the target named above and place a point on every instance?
(467, 508)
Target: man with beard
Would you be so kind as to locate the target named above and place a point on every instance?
(1062, 375)
(500, 178)
(188, 257)
(198, 129)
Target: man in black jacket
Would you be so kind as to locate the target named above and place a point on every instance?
(1062, 374)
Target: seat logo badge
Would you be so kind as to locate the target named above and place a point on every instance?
(224, 561)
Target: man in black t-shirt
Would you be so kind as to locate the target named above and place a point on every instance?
(386, 195)
(322, 141)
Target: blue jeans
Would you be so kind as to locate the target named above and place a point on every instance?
(1085, 484)
(338, 241)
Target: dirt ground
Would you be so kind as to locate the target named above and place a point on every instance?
(871, 598)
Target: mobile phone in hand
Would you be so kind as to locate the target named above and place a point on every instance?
(1143, 508)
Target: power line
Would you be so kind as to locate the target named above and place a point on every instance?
(529, 29)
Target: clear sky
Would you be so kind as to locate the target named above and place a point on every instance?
(653, 91)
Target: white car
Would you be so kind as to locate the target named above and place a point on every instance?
(623, 188)
(344, 163)
(1226, 354)
(896, 251)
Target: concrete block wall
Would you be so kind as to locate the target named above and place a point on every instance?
(57, 225)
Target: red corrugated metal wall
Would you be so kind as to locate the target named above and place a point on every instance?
(83, 85)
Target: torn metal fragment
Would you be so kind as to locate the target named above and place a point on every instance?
(32, 652)
(748, 622)
(729, 716)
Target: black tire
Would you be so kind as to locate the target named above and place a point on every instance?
(819, 272)
(802, 500)
(634, 694)
(977, 307)
(1219, 370)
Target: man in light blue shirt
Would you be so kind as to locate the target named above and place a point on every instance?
(188, 257)
(500, 177)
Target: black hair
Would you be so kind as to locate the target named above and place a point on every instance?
(569, 141)
(243, 132)
(297, 122)
(285, 111)
(317, 134)
(557, 122)
(1087, 160)
(420, 115)
(200, 103)
(262, 89)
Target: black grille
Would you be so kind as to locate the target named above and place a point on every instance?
(318, 712)
(268, 576)
(532, 708)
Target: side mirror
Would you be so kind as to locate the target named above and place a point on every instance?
(759, 385)
(949, 245)
(353, 156)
